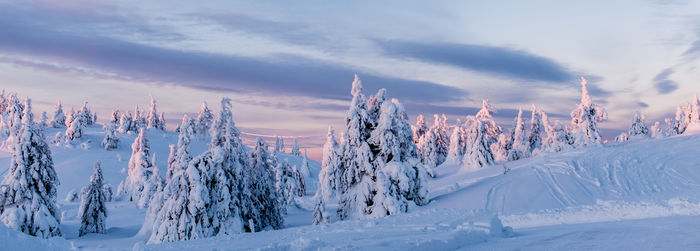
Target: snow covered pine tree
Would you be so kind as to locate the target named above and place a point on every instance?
(93, 211)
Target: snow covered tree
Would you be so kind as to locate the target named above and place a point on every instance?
(429, 151)
(153, 120)
(180, 155)
(678, 124)
(262, 189)
(419, 129)
(491, 129)
(44, 120)
(478, 153)
(585, 118)
(658, 131)
(356, 169)
(93, 211)
(111, 140)
(204, 120)
(140, 170)
(151, 188)
(502, 147)
(84, 115)
(557, 139)
(537, 130)
(623, 137)
(126, 123)
(457, 146)
(638, 128)
(285, 185)
(278, 147)
(300, 182)
(183, 215)
(29, 200)
(319, 214)
(521, 144)
(75, 126)
(295, 148)
(59, 119)
(329, 176)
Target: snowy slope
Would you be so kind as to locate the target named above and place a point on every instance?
(551, 201)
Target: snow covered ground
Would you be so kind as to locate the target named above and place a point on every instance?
(639, 195)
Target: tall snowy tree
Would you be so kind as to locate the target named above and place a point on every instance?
(491, 129)
(295, 148)
(329, 176)
(93, 211)
(153, 120)
(521, 144)
(299, 181)
(678, 124)
(355, 166)
(419, 129)
(262, 189)
(319, 214)
(183, 215)
(285, 185)
(84, 115)
(585, 118)
(126, 123)
(638, 128)
(44, 120)
(557, 139)
(180, 155)
(537, 130)
(658, 131)
(29, 200)
(502, 147)
(457, 146)
(430, 151)
(478, 153)
(204, 120)
(139, 171)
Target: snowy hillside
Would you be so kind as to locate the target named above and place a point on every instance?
(616, 184)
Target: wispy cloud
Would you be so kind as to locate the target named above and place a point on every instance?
(663, 84)
(500, 61)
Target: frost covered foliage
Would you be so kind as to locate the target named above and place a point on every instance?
(204, 120)
(286, 185)
(93, 211)
(687, 117)
(439, 145)
(295, 148)
(419, 129)
(585, 118)
(380, 169)
(139, 172)
(329, 176)
(557, 139)
(111, 140)
(75, 124)
(521, 144)
(126, 123)
(180, 155)
(266, 209)
(85, 116)
(657, 131)
(44, 120)
(537, 130)
(491, 129)
(139, 119)
(457, 145)
(153, 119)
(478, 154)
(59, 119)
(638, 128)
(29, 199)
(279, 144)
(319, 213)
(300, 182)
(502, 147)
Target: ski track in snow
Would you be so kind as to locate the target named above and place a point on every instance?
(596, 188)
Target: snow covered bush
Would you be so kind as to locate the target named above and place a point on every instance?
(111, 140)
(59, 119)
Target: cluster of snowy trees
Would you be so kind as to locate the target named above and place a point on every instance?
(687, 119)
(375, 169)
(479, 141)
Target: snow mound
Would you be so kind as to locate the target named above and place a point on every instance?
(14, 240)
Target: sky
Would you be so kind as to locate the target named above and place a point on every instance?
(288, 66)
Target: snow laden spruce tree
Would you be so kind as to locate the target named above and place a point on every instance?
(478, 153)
(639, 127)
(285, 185)
(138, 173)
(295, 148)
(585, 118)
(521, 144)
(419, 129)
(153, 119)
(59, 119)
(204, 120)
(329, 176)
(537, 130)
(93, 211)
(457, 145)
(180, 156)
(380, 168)
(266, 211)
(29, 198)
(111, 140)
(75, 123)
